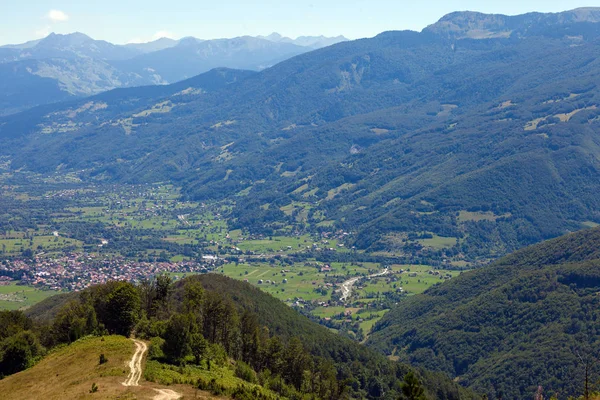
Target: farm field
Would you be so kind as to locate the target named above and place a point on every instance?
(16, 297)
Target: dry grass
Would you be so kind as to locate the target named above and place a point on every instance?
(69, 372)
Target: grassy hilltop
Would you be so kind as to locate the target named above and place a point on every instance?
(69, 372)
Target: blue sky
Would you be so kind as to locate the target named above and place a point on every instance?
(122, 21)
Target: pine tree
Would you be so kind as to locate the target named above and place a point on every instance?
(198, 346)
(123, 309)
(296, 362)
(193, 297)
(178, 338)
(250, 334)
(411, 388)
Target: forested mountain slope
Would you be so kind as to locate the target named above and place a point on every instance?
(529, 319)
(487, 140)
(250, 325)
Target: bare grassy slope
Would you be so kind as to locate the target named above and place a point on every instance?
(69, 372)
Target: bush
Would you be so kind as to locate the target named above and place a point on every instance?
(245, 372)
(216, 388)
(155, 351)
(146, 329)
(243, 392)
(94, 388)
(103, 359)
(217, 354)
(264, 376)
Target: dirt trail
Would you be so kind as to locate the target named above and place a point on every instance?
(135, 365)
(166, 394)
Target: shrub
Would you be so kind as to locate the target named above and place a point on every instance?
(216, 388)
(243, 392)
(217, 354)
(103, 359)
(245, 372)
(155, 351)
(94, 388)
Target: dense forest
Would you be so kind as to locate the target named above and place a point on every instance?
(529, 319)
(209, 320)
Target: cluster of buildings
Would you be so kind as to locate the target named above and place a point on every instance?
(76, 271)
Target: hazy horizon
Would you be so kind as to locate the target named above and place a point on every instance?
(154, 39)
(145, 21)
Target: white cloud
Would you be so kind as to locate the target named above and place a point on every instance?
(135, 40)
(57, 16)
(156, 36)
(163, 34)
(43, 32)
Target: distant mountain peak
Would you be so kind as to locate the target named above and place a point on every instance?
(69, 36)
(189, 41)
(593, 12)
(305, 41)
(155, 45)
(69, 39)
(274, 37)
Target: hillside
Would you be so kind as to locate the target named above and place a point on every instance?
(366, 373)
(507, 328)
(69, 372)
(485, 142)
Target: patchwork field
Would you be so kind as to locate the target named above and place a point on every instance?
(16, 297)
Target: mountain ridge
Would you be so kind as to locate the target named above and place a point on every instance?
(476, 25)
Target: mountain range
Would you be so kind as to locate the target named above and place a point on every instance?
(488, 143)
(61, 67)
